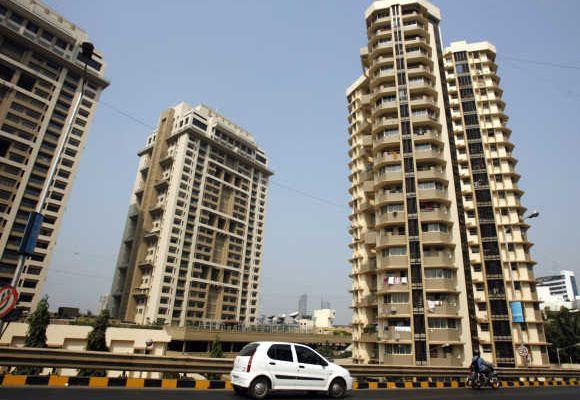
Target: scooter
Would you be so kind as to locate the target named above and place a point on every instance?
(477, 380)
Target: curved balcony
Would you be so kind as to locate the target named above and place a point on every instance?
(431, 174)
(433, 194)
(380, 61)
(389, 177)
(383, 75)
(383, 198)
(392, 218)
(429, 155)
(392, 157)
(385, 141)
(385, 106)
(436, 238)
(420, 70)
(368, 301)
(383, 90)
(425, 119)
(442, 259)
(393, 262)
(385, 123)
(382, 48)
(434, 215)
(391, 240)
(413, 27)
(370, 238)
(424, 102)
(427, 136)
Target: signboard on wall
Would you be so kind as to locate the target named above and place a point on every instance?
(517, 311)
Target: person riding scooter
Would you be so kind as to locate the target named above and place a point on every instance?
(479, 365)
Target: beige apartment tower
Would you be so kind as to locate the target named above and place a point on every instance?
(501, 266)
(193, 242)
(40, 79)
(417, 297)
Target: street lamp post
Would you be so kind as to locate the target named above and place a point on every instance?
(32, 230)
(533, 214)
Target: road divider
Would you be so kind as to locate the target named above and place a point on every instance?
(139, 383)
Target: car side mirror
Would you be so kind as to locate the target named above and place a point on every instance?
(323, 363)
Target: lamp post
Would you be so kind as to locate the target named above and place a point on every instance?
(515, 299)
(35, 219)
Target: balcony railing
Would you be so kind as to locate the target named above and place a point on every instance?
(396, 333)
(443, 335)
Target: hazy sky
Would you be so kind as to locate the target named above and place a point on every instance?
(280, 69)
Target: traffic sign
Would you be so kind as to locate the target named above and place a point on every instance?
(8, 300)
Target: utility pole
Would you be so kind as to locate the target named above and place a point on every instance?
(35, 219)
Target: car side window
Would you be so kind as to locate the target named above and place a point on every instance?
(281, 352)
(307, 356)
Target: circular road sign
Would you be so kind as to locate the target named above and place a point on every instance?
(523, 351)
(8, 300)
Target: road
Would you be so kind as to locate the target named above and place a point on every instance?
(28, 393)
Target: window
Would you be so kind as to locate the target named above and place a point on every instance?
(307, 356)
(398, 349)
(32, 27)
(281, 352)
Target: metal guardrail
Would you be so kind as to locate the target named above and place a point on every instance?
(56, 358)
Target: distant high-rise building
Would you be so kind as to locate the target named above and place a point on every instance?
(431, 279)
(193, 242)
(556, 291)
(41, 70)
(303, 305)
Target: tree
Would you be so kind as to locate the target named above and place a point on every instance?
(38, 322)
(326, 351)
(563, 331)
(215, 350)
(96, 341)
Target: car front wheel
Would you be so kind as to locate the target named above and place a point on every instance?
(337, 389)
(259, 388)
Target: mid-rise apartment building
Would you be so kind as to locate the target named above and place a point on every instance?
(417, 278)
(41, 70)
(193, 243)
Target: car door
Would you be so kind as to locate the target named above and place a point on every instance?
(281, 366)
(312, 369)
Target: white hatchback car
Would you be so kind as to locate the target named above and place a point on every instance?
(264, 366)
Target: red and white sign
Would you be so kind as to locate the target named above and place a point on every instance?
(8, 300)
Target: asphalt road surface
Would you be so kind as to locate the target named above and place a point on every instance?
(44, 393)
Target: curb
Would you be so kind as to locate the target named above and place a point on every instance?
(135, 383)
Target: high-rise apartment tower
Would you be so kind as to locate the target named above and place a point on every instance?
(41, 70)
(193, 242)
(507, 308)
(414, 288)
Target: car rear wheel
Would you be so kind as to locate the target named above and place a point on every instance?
(240, 391)
(259, 388)
(337, 389)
